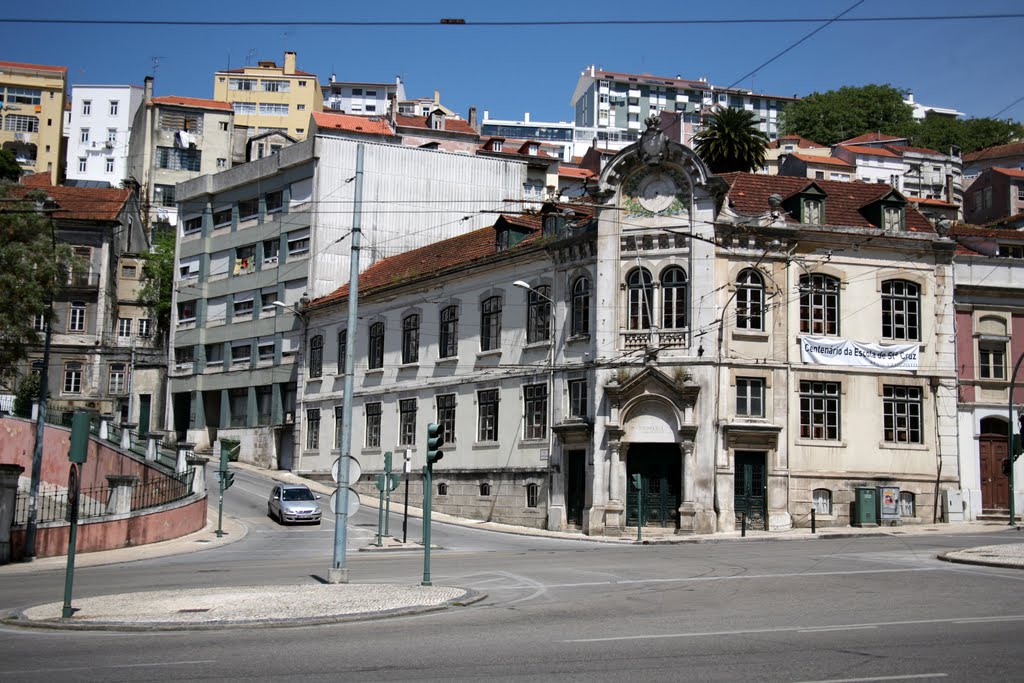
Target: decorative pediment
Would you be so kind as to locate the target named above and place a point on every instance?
(652, 406)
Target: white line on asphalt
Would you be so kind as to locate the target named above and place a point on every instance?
(736, 577)
(828, 629)
(654, 636)
(983, 620)
(143, 665)
(907, 677)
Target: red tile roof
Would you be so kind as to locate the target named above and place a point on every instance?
(36, 180)
(373, 125)
(450, 125)
(78, 203)
(1011, 150)
(902, 149)
(972, 239)
(749, 194)
(571, 172)
(789, 139)
(871, 137)
(931, 202)
(870, 151)
(828, 161)
(193, 102)
(40, 67)
(1011, 172)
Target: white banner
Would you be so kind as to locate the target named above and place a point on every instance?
(828, 351)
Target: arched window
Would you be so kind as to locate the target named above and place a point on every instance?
(411, 338)
(449, 343)
(901, 306)
(538, 322)
(822, 501)
(580, 307)
(485, 489)
(819, 304)
(750, 300)
(640, 294)
(906, 504)
(316, 356)
(490, 324)
(442, 489)
(375, 352)
(342, 348)
(673, 292)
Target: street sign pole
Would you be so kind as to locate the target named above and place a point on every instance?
(387, 493)
(77, 454)
(382, 483)
(405, 515)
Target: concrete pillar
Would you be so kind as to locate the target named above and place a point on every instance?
(153, 440)
(104, 432)
(35, 410)
(121, 486)
(184, 452)
(198, 465)
(8, 495)
(126, 435)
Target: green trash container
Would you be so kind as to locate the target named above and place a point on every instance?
(864, 507)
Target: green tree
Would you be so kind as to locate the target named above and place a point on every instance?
(32, 266)
(732, 142)
(10, 169)
(158, 279)
(28, 392)
(940, 133)
(837, 115)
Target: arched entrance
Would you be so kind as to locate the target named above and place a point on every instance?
(659, 465)
(992, 450)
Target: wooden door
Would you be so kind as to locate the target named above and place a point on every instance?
(995, 486)
(575, 483)
(751, 489)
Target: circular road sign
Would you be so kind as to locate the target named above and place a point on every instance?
(353, 502)
(355, 470)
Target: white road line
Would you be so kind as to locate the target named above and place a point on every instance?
(907, 677)
(916, 622)
(829, 629)
(143, 665)
(736, 577)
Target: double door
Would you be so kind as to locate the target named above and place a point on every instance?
(751, 489)
(660, 468)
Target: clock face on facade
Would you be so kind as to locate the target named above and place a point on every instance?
(657, 192)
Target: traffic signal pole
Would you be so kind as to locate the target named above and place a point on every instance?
(1010, 444)
(435, 439)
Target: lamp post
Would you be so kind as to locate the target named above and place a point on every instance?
(551, 373)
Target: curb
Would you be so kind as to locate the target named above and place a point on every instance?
(948, 557)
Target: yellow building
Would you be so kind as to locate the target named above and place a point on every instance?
(32, 99)
(268, 97)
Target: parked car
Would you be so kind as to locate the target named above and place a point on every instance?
(293, 503)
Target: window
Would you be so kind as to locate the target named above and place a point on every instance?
(222, 164)
(490, 324)
(532, 491)
(822, 501)
(819, 304)
(113, 107)
(316, 356)
(83, 135)
(275, 201)
(76, 317)
(39, 322)
(248, 208)
(578, 399)
(275, 86)
(749, 300)
(819, 410)
(273, 109)
(580, 324)
(339, 415)
(907, 504)
(892, 218)
(179, 159)
(992, 359)
(222, 217)
(446, 416)
(485, 489)
(487, 418)
(242, 307)
(375, 352)
(20, 123)
(181, 120)
(193, 225)
(109, 167)
(901, 303)
(442, 489)
(313, 428)
(411, 339)
(244, 108)
(813, 214)
(271, 250)
(902, 414)
(407, 422)
(538, 323)
(298, 242)
(264, 405)
(86, 107)
(448, 346)
(749, 397)
(163, 195)
(673, 287)
(214, 354)
(640, 293)
(1020, 192)
(145, 328)
(116, 383)
(183, 356)
(242, 84)
(241, 354)
(265, 351)
(29, 96)
(72, 378)
(373, 425)
(186, 311)
(342, 350)
(535, 422)
(238, 407)
(124, 327)
(82, 164)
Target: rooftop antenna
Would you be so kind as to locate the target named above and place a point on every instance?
(155, 59)
(249, 55)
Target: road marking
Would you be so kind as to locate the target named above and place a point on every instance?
(916, 622)
(983, 620)
(736, 577)
(907, 677)
(185, 662)
(827, 629)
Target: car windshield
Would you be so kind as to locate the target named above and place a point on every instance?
(297, 494)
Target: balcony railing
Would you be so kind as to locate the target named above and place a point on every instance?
(84, 280)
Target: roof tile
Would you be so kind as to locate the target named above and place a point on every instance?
(373, 125)
(193, 102)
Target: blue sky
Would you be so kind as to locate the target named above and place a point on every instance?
(974, 66)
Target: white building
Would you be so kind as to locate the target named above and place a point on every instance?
(360, 97)
(99, 131)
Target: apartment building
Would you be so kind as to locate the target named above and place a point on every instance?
(361, 98)
(99, 132)
(32, 106)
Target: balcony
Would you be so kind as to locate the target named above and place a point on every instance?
(84, 281)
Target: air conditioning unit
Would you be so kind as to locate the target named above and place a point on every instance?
(109, 144)
(289, 418)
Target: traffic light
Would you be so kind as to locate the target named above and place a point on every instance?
(435, 439)
(227, 479)
(636, 481)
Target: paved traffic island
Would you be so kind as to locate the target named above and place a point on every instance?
(245, 607)
(1007, 555)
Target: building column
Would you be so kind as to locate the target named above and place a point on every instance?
(121, 485)
(252, 410)
(616, 506)
(225, 409)
(198, 416)
(9, 475)
(687, 506)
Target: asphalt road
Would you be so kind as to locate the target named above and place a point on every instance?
(858, 609)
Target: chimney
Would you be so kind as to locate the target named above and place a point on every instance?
(472, 118)
(437, 97)
(393, 109)
(289, 63)
(526, 117)
(333, 78)
(147, 89)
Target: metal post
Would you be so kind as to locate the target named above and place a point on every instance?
(427, 493)
(220, 505)
(387, 493)
(743, 524)
(339, 570)
(405, 514)
(69, 573)
(382, 482)
(1009, 443)
(813, 522)
(639, 509)
(37, 452)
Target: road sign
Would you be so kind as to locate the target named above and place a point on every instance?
(353, 502)
(355, 470)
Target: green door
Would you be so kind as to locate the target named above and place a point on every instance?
(661, 469)
(751, 491)
(575, 483)
(144, 402)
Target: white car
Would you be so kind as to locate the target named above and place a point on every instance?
(293, 503)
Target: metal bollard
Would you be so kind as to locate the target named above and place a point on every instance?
(743, 525)
(813, 522)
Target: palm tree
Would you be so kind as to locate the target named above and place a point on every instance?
(732, 142)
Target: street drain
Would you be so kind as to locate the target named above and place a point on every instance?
(194, 611)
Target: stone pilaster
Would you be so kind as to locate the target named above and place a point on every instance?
(121, 486)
